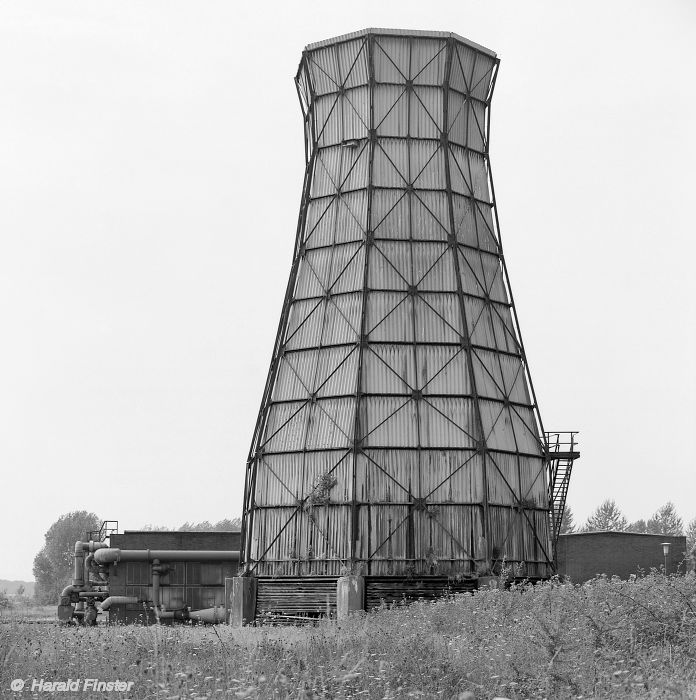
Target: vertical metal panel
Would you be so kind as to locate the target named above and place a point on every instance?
(447, 422)
(490, 327)
(391, 58)
(342, 321)
(312, 275)
(428, 61)
(390, 266)
(295, 376)
(390, 166)
(384, 476)
(425, 113)
(483, 275)
(336, 220)
(391, 110)
(352, 59)
(438, 318)
(324, 70)
(451, 476)
(426, 165)
(327, 171)
(330, 423)
(433, 267)
(389, 421)
(305, 322)
(429, 216)
(389, 369)
(443, 369)
(286, 426)
(390, 213)
(388, 316)
(336, 371)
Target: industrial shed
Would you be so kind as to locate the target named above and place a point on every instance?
(187, 584)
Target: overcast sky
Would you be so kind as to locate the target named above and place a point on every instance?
(151, 164)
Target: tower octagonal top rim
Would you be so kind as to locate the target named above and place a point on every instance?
(415, 33)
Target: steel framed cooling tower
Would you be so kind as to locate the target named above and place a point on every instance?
(398, 436)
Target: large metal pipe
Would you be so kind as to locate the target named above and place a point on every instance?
(156, 571)
(114, 555)
(79, 575)
(210, 615)
(118, 600)
(79, 565)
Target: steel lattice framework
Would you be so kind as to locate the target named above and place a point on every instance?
(398, 432)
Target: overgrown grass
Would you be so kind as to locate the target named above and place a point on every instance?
(607, 638)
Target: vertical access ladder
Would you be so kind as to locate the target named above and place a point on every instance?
(561, 452)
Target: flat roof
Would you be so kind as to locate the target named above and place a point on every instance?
(424, 34)
(177, 532)
(617, 532)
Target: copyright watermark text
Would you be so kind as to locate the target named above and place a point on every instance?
(39, 685)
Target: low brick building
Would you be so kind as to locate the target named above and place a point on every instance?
(583, 555)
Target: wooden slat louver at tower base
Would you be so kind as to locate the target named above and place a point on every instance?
(398, 434)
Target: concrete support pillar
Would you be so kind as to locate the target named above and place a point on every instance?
(350, 595)
(241, 600)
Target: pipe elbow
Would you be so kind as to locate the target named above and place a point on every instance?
(67, 592)
(108, 555)
(118, 600)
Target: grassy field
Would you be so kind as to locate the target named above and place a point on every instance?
(609, 639)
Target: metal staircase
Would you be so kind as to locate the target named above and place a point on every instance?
(561, 452)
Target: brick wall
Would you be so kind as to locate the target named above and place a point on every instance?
(582, 556)
(144, 539)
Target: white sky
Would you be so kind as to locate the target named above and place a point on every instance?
(151, 164)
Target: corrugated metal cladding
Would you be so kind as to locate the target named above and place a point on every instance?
(397, 435)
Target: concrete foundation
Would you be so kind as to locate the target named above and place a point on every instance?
(350, 595)
(241, 601)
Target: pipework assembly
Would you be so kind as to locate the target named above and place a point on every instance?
(95, 565)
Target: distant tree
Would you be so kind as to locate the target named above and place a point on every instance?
(20, 590)
(228, 524)
(665, 521)
(607, 516)
(53, 563)
(5, 602)
(154, 528)
(205, 526)
(691, 535)
(568, 522)
(639, 526)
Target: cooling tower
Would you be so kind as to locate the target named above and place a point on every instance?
(398, 436)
